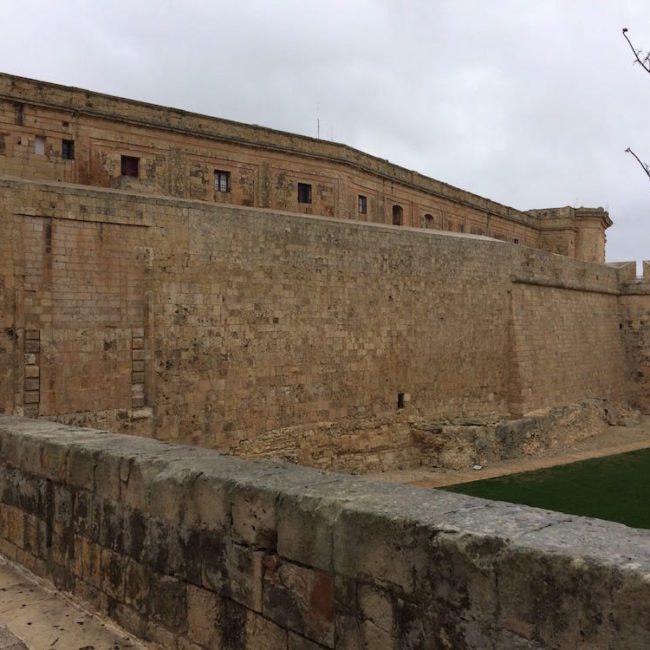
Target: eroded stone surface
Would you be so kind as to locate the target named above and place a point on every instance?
(356, 347)
(296, 558)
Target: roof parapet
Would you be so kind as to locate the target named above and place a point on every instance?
(553, 217)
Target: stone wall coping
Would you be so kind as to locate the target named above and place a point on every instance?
(179, 544)
(369, 503)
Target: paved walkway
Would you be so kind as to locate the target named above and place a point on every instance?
(34, 616)
(10, 642)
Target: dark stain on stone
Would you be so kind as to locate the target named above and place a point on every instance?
(322, 596)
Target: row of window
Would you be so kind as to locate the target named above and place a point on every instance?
(67, 147)
(130, 166)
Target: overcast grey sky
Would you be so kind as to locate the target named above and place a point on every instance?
(530, 103)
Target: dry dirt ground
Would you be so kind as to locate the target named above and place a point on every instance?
(615, 440)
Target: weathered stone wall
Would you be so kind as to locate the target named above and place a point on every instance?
(558, 328)
(213, 324)
(179, 152)
(405, 441)
(635, 331)
(196, 550)
(74, 308)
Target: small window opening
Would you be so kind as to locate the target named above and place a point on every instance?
(130, 166)
(304, 193)
(461, 228)
(221, 181)
(20, 114)
(428, 221)
(67, 149)
(401, 402)
(39, 145)
(398, 215)
(48, 236)
(363, 204)
(516, 241)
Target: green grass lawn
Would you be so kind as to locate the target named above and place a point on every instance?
(615, 488)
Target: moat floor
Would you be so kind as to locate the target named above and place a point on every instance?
(615, 440)
(34, 616)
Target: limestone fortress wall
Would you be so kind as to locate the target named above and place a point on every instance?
(215, 324)
(132, 304)
(329, 340)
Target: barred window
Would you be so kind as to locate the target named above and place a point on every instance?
(67, 149)
(363, 204)
(221, 181)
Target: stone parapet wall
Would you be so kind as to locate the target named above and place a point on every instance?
(196, 550)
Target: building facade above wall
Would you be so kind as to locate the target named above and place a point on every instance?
(57, 133)
(576, 232)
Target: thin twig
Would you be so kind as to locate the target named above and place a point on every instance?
(645, 167)
(645, 62)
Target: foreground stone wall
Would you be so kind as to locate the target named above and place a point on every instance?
(197, 550)
(211, 324)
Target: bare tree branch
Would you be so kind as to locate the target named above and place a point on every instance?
(645, 167)
(643, 62)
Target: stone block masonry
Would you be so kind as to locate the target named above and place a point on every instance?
(215, 324)
(195, 550)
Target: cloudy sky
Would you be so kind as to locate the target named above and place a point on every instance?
(528, 102)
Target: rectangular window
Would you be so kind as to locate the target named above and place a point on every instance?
(67, 149)
(221, 181)
(39, 145)
(363, 204)
(130, 166)
(304, 193)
